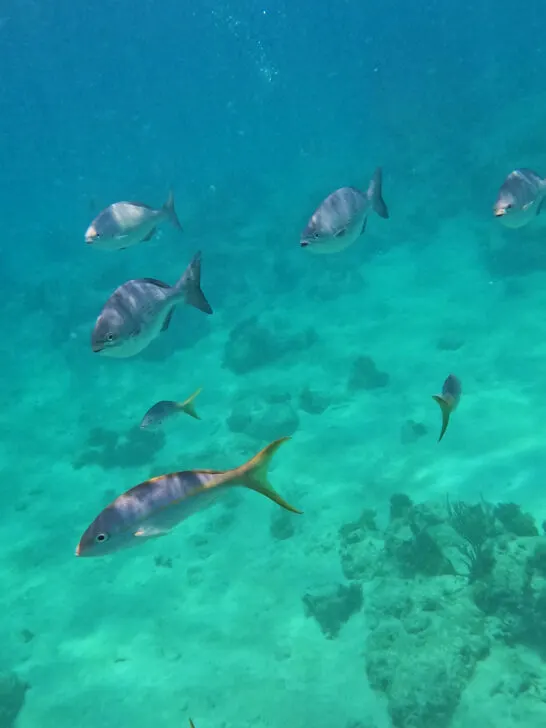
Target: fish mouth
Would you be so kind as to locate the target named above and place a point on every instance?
(97, 348)
(500, 212)
(90, 235)
(78, 550)
(304, 243)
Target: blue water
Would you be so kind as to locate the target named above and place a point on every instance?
(253, 112)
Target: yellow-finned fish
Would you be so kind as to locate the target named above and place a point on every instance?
(161, 411)
(156, 506)
(448, 400)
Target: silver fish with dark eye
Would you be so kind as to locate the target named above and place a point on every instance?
(153, 508)
(341, 218)
(520, 199)
(165, 409)
(139, 310)
(124, 224)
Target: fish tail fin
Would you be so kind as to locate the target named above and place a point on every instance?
(190, 286)
(253, 474)
(375, 193)
(445, 406)
(188, 406)
(192, 725)
(169, 210)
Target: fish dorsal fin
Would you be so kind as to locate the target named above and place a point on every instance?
(168, 318)
(135, 203)
(156, 282)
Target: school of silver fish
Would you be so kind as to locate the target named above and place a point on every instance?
(139, 310)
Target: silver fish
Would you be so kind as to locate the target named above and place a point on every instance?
(139, 310)
(341, 218)
(156, 506)
(124, 224)
(520, 198)
(161, 411)
(448, 400)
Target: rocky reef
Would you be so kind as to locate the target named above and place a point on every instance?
(109, 449)
(443, 588)
(252, 344)
(12, 698)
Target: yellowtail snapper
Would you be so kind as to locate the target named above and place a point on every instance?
(156, 506)
(161, 411)
(448, 400)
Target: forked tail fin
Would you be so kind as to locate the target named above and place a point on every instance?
(446, 408)
(168, 207)
(188, 405)
(190, 286)
(253, 474)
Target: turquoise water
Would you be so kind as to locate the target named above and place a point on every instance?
(244, 615)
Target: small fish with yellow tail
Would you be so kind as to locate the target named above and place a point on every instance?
(161, 411)
(156, 506)
(448, 400)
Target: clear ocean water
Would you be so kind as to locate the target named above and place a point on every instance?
(355, 614)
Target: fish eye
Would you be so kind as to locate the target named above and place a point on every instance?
(101, 537)
(109, 336)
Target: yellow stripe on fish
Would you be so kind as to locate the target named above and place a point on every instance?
(153, 508)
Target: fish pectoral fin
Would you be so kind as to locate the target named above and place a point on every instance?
(364, 226)
(168, 318)
(149, 236)
(340, 233)
(150, 532)
(446, 408)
